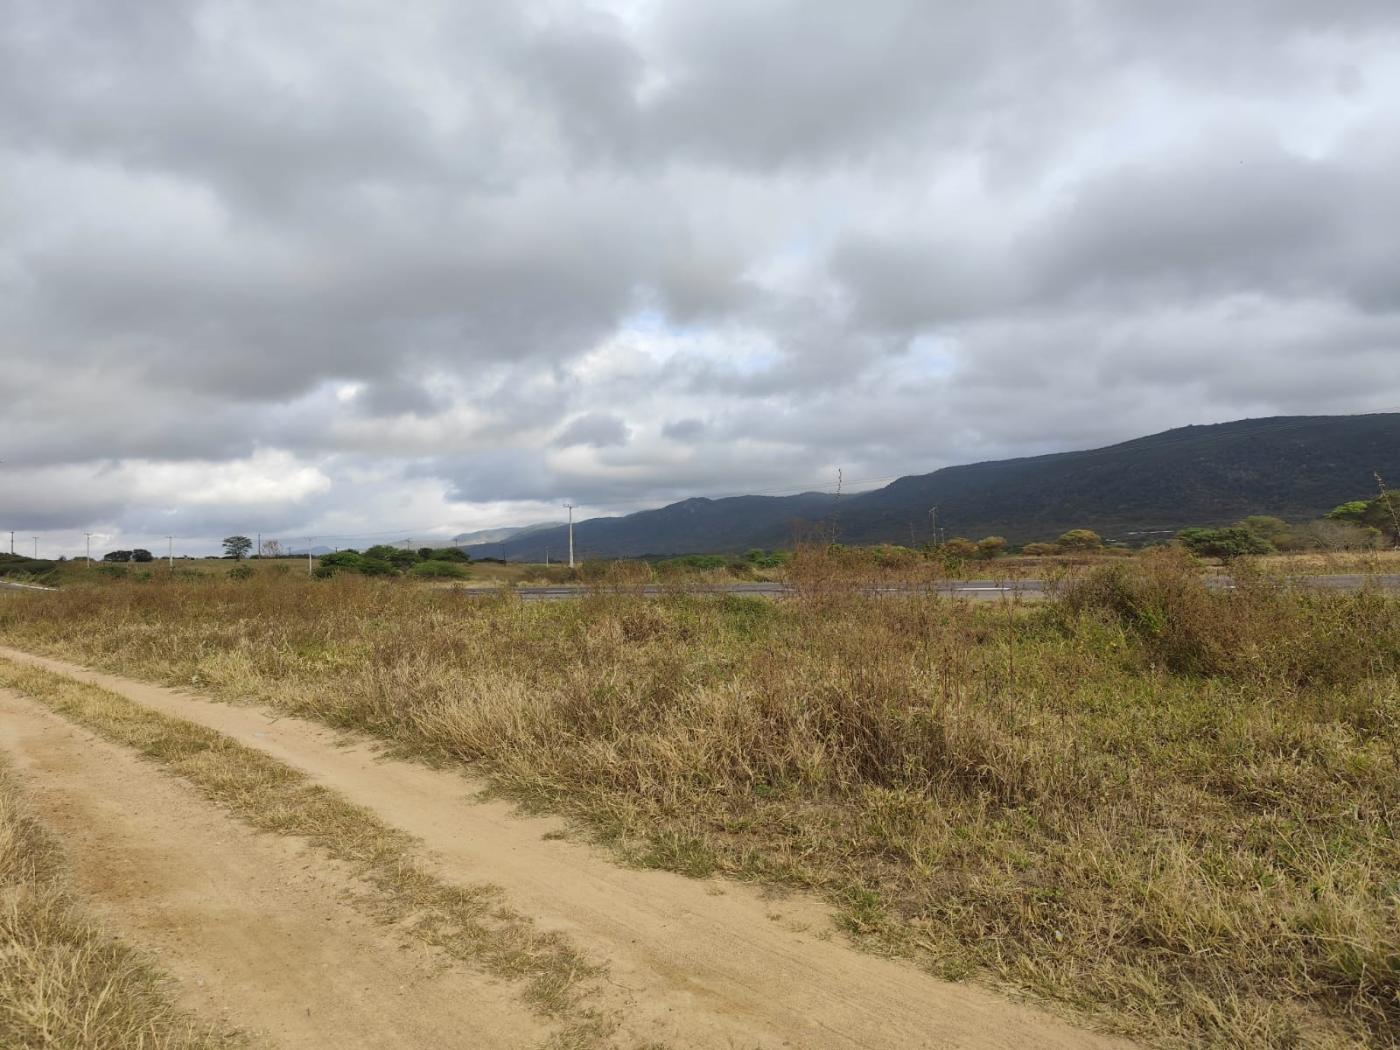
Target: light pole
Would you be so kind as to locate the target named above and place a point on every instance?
(571, 534)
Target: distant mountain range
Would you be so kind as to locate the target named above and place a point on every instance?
(486, 537)
(1295, 467)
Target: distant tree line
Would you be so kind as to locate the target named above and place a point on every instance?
(383, 560)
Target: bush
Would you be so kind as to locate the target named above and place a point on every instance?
(1079, 540)
(761, 559)
(693, 563)
(988, 547)
(1228, 543)
(395, 556)
(18, 565)
(1256, 631)
(241, 572)
(959, 547)
(376, 567)
(349, 560)
(1040, 549)
(439, 570)
(454, 554)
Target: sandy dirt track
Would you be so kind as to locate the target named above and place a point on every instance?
(693, 963)
(253, 925)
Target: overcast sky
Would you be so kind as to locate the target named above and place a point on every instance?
(337, 269)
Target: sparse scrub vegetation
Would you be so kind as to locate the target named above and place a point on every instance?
(1167, 806)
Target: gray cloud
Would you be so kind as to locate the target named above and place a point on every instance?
(331, 267)
(597, 429)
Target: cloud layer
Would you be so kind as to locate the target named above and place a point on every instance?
(354, 268)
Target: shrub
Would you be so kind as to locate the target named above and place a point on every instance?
(988, 547)
(343, 560)
(761, 559)
(241, 572)
(376, 567)
(447, 554)
(1080, 540)
(1040, 549)
(1228, 543)
(439, 570)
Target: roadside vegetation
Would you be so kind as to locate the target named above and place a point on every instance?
(64, 981)
(1168, 808)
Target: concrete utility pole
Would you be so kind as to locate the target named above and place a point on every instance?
(12, 541)
(89, 549)
(309, 572)
(170, 551)
(571, 533)
(36, 548)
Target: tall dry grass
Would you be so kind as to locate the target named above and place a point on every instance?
(1169, 808)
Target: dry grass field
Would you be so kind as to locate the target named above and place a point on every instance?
(1170, 810)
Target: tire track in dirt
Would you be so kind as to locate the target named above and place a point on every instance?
(695, 963)
(255, 927)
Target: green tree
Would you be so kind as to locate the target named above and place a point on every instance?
(1223, 543)
(237, 547)
(1381, 513)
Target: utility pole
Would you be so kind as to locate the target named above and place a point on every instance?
(36, 548)
(170, 541)
(89, 549)
(308, 555)
(571, 533)
(12, 541)
(546, 557)
(260, 545)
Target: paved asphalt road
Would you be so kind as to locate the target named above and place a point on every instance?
(975, 590)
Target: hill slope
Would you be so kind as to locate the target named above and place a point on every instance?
(1296, 467)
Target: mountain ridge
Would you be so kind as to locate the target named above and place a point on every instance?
(1296, 467)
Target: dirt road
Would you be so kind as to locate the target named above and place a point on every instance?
(252, 925)
(693, 963)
